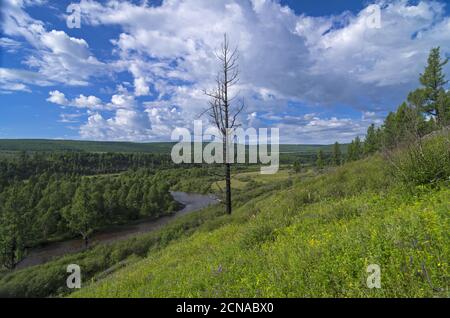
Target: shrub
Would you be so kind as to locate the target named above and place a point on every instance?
(424, 162)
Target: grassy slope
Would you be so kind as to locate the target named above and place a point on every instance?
(240, 181)
(313, 239)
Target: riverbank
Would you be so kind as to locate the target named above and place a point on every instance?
(191, 202)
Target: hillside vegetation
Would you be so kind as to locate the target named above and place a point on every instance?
(315, 238)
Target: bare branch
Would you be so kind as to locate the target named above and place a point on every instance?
(237, 114)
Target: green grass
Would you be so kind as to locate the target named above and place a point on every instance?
(241, 180)
(312, 239)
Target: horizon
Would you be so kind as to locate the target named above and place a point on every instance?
(142, 142)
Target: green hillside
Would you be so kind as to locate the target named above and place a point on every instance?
(312, 239)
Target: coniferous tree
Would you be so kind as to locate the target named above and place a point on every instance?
(320, 160)
(389, 136)
(358, 148)
(433, 81)
(297, 166)
(82, 216)
(371, 143)
(14, 229)
(443, 104)
(337, 154)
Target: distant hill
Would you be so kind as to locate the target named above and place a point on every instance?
(115, 146)
(81, 145)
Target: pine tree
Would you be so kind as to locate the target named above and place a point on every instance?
(82, 216)
(133, 200)
(320, 162)
(390, 131)
(337, 154)
(297, 166)
(433, 80)
(371, 143)
(443, 103)
(14, 228)
(358, 148)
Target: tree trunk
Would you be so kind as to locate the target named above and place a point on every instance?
(228, 187)
(86, 241)
(227, 126)
(227, 171)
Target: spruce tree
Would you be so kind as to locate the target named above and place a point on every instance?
(297, 166)
(82, 216)
(337, 154)
(433, 80)
(320, 161)
(371, 142)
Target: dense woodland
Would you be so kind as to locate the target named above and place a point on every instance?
(62, 195)
(24, 165)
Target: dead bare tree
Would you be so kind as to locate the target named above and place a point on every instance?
(222, 111)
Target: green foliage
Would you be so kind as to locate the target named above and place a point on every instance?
(297, 166)
(40, 145)
(355, 150)
(53, 206)
(443, 104)
(24, 165)
(337, 154)
(14, 230)
(82, 216)
(320, 160)
(371, 143)
(433, 81)
(424, 162)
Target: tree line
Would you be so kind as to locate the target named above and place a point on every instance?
(24, 164)
(426, 109)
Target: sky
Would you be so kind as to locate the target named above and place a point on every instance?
(321, 71)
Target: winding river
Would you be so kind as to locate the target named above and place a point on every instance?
(191, 201)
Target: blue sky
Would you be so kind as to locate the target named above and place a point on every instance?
(319, 70)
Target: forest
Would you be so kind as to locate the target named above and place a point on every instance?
(50, 206)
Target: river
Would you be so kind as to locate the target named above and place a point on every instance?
(191, 201)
